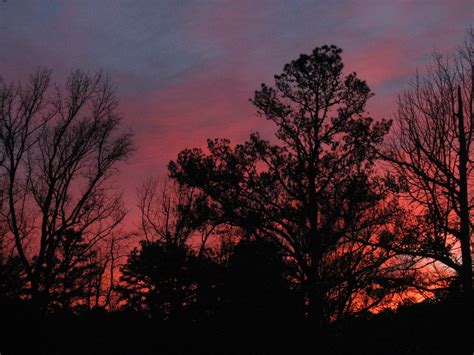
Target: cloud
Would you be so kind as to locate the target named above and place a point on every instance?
(185, 70)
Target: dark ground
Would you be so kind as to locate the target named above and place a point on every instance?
(416, 329)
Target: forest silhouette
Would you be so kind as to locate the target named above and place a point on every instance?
(341, 234)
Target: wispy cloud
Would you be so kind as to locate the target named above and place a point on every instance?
(185, 70)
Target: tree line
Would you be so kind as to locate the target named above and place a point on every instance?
(337, 216)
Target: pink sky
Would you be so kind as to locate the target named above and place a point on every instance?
(185, 70)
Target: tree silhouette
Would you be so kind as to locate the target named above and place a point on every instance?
(316, 189)
(245, 243)
(158, 280)
(11, 271)
(256, 286)
(431, 154)
(59, 148)
(173, 214)
(169, 276)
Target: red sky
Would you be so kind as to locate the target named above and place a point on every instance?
(185, 69)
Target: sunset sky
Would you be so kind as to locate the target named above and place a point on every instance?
(185, 69)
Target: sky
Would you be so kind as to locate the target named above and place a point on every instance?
(184, 70)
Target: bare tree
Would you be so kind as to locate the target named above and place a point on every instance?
(100, 290)
(170, 274)
(59, 151)
(173, 215)
(432, 154)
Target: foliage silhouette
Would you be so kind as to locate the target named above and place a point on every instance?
(298, 244)
(315, 193)
(165, 280)
(256, 288)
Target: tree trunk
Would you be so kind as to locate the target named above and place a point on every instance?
(316, 299)
(465, 233)
(315, 306)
